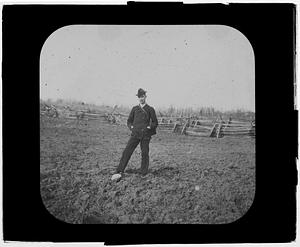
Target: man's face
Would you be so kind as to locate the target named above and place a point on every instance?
(142, 99)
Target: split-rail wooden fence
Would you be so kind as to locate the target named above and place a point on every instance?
(203, 127)
(208, 127)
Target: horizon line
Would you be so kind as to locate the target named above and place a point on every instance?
(158, 107)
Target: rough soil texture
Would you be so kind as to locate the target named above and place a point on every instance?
(191, 180)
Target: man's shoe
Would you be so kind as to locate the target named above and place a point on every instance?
(116, 177)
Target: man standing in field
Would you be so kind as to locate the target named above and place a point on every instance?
(142, 123)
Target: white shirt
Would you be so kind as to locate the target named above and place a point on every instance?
(142, 105)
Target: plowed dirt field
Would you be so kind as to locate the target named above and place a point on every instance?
(192, 180)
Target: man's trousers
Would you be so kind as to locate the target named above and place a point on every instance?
(130, 147)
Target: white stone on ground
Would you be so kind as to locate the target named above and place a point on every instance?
(116, 176)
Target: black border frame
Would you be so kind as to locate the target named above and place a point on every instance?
(270, 28)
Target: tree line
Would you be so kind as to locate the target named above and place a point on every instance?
(171, 111)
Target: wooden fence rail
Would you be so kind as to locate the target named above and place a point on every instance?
(203, 127)
(215, 128)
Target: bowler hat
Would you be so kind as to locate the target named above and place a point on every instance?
(141, 92)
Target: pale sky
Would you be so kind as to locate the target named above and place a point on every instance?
(181, 65)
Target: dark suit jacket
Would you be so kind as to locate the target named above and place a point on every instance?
(140, 118)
